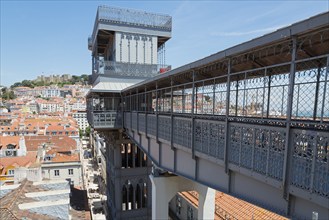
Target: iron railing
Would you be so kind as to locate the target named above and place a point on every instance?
(261, 93)
(193, 116)
(260, 149)
(100, 120)
(132, 17)
(103, 112)
(112, 68)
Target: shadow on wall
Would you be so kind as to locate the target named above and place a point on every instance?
(78, 199)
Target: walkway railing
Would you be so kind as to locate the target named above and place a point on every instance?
(273, 121)
(259, 93)
(105, 120)
(112, 68)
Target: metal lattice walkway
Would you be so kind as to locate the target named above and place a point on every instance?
(251, 121)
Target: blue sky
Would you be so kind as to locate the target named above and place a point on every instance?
(50, 37)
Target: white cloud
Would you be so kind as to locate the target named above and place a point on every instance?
(242, 33)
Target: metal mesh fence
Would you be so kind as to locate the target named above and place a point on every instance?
(310, 88)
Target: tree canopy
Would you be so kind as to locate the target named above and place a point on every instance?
(33, 83)
(7, 94)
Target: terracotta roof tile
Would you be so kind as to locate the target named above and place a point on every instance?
(23, 161)
(5, 140)
(227, 205)
(65, 158)
(63, 143)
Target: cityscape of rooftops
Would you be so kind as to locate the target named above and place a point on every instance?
(164, 110)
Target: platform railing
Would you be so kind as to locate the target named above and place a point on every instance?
(256, 133)
(113, 68)
(134, 17)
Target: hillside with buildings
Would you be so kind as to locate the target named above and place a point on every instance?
(41, 133)
(59, 80)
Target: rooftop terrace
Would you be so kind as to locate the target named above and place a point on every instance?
(132, 17)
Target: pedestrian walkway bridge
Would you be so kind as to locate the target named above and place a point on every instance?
(251, 121)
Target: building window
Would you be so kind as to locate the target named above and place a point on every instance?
(10, 153)
(70, 171)
(11, 172)
(56, 172)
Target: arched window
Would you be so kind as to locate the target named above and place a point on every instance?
(131, 197)
(124, 198)
(123, 156)
(137, 156)
(138, 201)
(130, 155)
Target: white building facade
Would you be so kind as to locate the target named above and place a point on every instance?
(70, 171)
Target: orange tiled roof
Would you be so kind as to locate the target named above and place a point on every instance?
(23, 161)
(5, 140)
(227, 205)
(60, 158)
(63, 143)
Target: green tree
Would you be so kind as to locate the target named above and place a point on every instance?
(38, 83)
(8, 94)
(27, 83)
(17, 84)
(87, 131)
(84, 77)
(80, 133)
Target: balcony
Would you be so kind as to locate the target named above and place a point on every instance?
(103, 113)
(105, 120)
(136, 70)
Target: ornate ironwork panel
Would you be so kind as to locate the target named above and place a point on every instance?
(151, 124)
(262, 142)
(321, 170)
(258, 148)
(164, 127)
(246, 147)
(303, 144)
(235, 143)
(134, 120)
(127, 119)
(210, 138)
(198, 135)
(311, 149)
(183, 132)
(276, 153)
(217, 139)
(106, 119)
(141, 122)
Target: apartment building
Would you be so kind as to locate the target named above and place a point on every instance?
(62, 166)
(81, 119)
